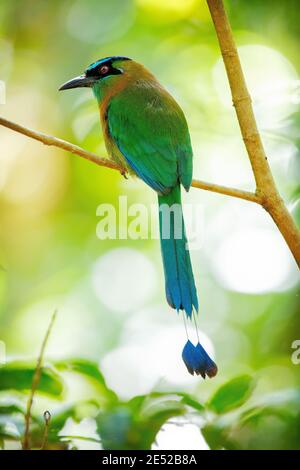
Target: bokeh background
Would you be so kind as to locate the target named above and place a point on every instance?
(110, 293)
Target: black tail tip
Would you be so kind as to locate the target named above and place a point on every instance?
(197, 361)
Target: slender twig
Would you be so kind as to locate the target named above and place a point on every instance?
(75, 149)
(63, 144)
(47, 419)
(34, 386)
(227, 191)
(265, 185)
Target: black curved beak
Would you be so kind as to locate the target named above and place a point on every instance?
(77, 82)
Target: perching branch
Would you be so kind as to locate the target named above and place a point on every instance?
(266, 189)
(63, 144)
(217, 188)
(34, 386)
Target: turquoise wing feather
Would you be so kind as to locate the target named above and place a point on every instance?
(151, 132)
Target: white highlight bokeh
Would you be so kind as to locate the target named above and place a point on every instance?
(272, 80)
(86, 428)
(123, 279)
(255, 260)
(173, 436)
(149, 356)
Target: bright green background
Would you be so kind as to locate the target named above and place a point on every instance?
(110, 294)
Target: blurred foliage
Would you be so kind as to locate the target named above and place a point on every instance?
(110, 293)
(228, 420)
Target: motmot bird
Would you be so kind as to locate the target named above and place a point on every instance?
(146, 133)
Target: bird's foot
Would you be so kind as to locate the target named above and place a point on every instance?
(124, 173)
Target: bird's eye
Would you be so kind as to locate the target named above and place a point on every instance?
(104, 69)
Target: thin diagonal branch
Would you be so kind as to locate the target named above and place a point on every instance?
(35, 384)
(75, 149)
(60, 143)
(47, 419)
(217, 188)
(265, 185)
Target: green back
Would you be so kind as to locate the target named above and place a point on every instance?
(150, 130)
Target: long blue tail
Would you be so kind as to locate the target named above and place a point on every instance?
(180, 285)
(179, 279)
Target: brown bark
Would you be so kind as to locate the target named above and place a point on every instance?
(266, 189)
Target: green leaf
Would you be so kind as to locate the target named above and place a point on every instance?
(9, 431)
(88, 369)
(232, 394)
(273, 422)
(213, 436)
(133, 426)
(142, 403)
(153, 424)
(18, 375)
(137, 402)
(77, 411)
(269, 428)
(11, 406)
(192, 402)
(82, 366)
(115, 429)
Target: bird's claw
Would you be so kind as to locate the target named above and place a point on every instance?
(124, 174)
